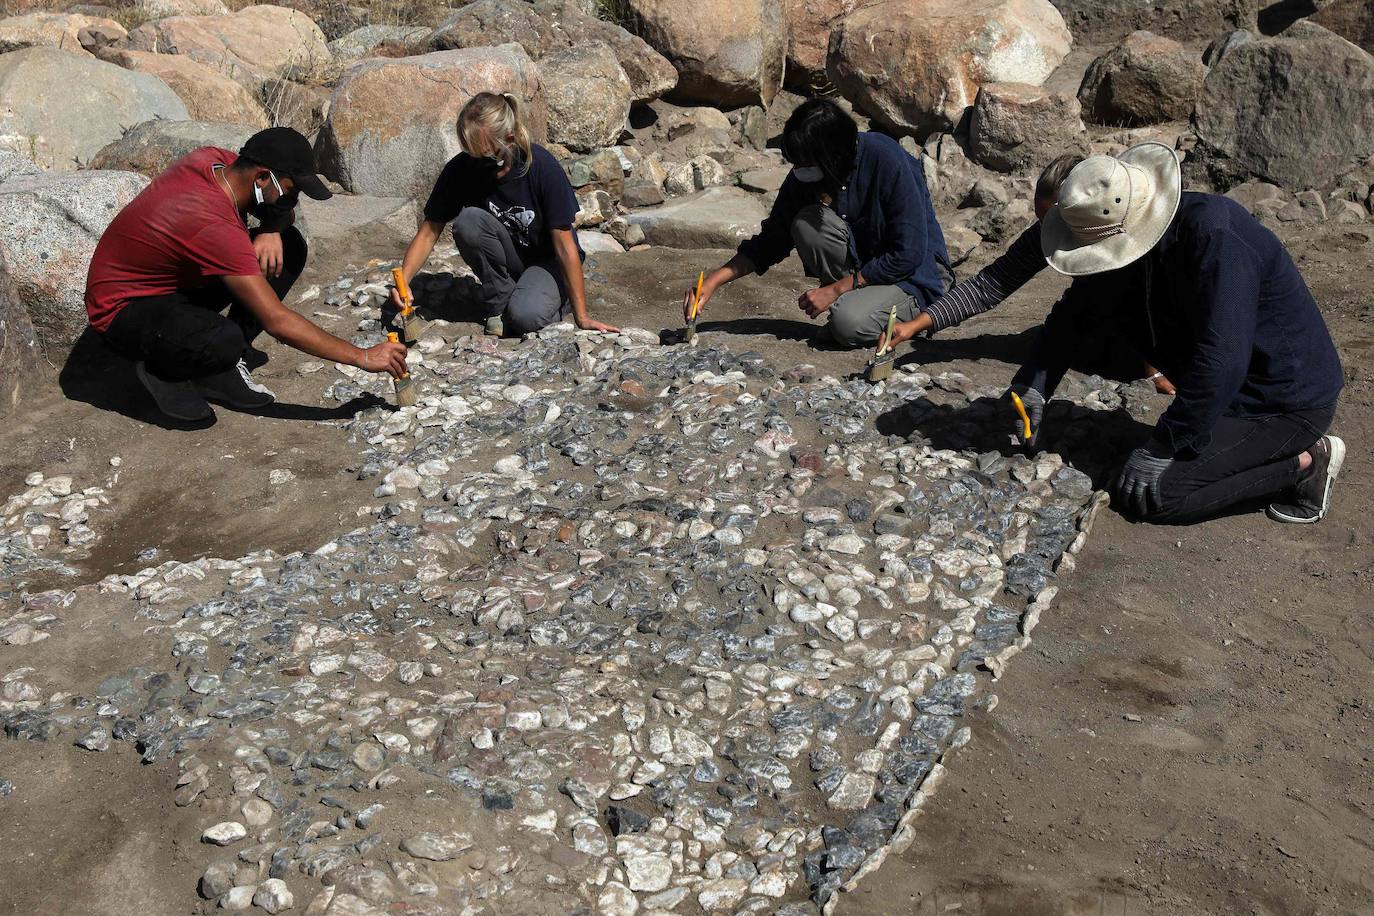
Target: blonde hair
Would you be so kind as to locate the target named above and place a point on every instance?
(499, 117)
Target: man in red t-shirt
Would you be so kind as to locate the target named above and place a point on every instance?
(181, 251)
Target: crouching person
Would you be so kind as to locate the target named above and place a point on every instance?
(512, 211)
(856, 209)
(1214, 300)
(180, 253)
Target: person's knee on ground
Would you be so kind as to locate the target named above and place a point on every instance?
(852, 327)
(529, 311)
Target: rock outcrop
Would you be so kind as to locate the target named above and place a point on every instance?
(63, 128)
(252, 44)
(588, 96)
(915, 65)
(1016, 127)
(153, 145)
(208, 94)
(53, 221)
(1147, 79)
(391, 124)
(727, 52)
(1296, 110)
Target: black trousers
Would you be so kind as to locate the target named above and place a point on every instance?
(1247, 459)
(183, 335)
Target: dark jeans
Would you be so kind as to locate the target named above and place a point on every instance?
(1247, 459)
(530, 296)
(182, 335)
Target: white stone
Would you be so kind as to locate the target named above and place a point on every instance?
(224, 833)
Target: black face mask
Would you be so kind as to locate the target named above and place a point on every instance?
(269, 213)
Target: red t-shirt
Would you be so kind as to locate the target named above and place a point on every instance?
(178, 234)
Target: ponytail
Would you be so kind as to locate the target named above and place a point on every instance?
(499, 116)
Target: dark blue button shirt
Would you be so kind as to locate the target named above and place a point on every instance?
(1219, 306)
(893, 235)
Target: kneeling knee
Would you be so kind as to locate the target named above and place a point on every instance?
(223, 349)
(847, 329)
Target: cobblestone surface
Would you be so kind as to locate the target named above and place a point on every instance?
(626, 628)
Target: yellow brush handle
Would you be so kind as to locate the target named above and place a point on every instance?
(398, 277)
(395, 338)
(1021, 409)
(696, 297)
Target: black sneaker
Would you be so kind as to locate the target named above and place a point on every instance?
(1311, 498)
(178, 400)
(235, 388)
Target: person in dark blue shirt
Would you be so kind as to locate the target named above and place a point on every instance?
(1214, 300)
(856, 209)
(512, 211)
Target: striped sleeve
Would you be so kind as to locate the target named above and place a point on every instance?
(994, 283)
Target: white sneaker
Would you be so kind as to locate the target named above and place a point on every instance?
(495, 327)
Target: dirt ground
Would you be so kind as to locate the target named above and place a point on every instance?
(1244, 648)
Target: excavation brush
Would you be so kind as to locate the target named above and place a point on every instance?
(406, 317)
(695, 312)
(1021, 412)
(405, 386)
(879, 366)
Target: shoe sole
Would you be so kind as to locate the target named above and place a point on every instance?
(1333, 470)
(150, 385)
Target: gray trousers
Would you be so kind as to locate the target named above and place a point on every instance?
(527, 296)
(859, 316)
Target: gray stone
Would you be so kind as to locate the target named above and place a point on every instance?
(53, 221)
(361, 42)
(588, 96)
(1147, 79)
(1018, 128)
(1296, 110)
(97, 102)
(715, 218)
(153, 145)
(436, 847)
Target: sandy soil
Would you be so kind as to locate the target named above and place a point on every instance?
(1244, 647)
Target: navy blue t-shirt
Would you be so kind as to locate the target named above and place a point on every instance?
(528, 202)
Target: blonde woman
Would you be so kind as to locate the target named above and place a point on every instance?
(512, 210)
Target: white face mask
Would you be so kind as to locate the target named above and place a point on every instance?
(808, 174)
(257, 190)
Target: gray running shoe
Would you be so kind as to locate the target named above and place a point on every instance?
(1311, 498)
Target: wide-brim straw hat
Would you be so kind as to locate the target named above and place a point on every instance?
(1112, 210)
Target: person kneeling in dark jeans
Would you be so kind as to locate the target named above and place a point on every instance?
(1213, 299)
(181, 252)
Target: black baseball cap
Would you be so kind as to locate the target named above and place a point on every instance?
(288, 154)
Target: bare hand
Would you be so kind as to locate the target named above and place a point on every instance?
(268, 248)
(591, 324)
(902, 331)
(396, 301)
(385, 357)
(814, 302)
(707, 289)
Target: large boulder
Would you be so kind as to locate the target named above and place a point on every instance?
(479, 24)
(1108, 20)
(809, 24)
(650, 73)
(588, 97)
(59, 109)
(153, 145)
(12, 163)
(208, 94)
(1016, 127)
(727, 52)
(361, 42)
(52, 221)
(1147, 79)
(1353, 20)
(1296, 110)
(19, 351)
(391, 124)
(715, 218)
(254, 43)
(54, 30)
(348, 215)
(915, 65)
(551, 26)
